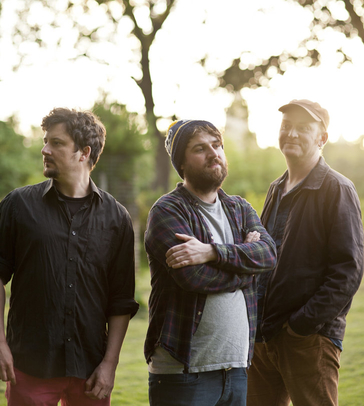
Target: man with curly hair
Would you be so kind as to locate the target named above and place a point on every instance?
(68, 247)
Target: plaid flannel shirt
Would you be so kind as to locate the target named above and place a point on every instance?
(178, 296)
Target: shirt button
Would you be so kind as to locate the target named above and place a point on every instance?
(73, 232)
(70, 285)
(199, 313)
(69, 339)
(69, 312)
(71, 259)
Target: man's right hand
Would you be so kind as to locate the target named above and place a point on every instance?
(190, 252)
(252, 236)
(6, 364)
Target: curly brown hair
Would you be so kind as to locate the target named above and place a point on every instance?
(84, 128)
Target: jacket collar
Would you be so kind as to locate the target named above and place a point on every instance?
(317, 175)
(315, 178)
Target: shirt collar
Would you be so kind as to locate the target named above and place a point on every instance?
(51, 186)
(192, 198)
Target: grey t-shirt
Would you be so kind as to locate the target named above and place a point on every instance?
(222, 338)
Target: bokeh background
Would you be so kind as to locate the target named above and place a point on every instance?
(140, 64)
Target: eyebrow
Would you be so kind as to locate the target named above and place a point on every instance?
(201, 144)
(53, 139)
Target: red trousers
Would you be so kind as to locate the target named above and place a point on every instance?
(302, 369)
(31, 391)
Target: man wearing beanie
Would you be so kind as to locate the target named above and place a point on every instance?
(313, 214)
(205, 249)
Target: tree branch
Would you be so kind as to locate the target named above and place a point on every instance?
(129, 11)
(355, 19)
(158, 21)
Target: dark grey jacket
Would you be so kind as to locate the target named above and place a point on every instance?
(320, 261)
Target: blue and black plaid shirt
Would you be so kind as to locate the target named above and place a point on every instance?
(178, 296)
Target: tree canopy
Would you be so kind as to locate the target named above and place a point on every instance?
(18, 162)
(122, 33)
(97, 25)
(343, 16)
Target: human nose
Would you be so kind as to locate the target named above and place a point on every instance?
(292, 133)
(212, 151)
(45, 150)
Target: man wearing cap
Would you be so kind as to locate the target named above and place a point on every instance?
(313, 214)
(204, 249)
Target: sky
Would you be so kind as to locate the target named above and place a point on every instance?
(181, 86)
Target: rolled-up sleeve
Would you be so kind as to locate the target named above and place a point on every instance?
(122, 273)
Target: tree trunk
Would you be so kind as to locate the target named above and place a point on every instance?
(162, 164)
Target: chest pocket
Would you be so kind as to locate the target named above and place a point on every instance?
(100, 247)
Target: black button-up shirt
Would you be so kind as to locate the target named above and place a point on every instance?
(69, 275)
(275, 226)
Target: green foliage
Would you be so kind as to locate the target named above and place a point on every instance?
(256, 200)
(348, 159)
(13, 167)
(124, 140)
(18, 163)
(123, 132)
(251, 170)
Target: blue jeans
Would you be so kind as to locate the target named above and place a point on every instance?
(215, 388)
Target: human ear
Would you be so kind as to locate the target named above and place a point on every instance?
(323, 139)
(85, 153)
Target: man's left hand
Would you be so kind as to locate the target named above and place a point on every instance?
(191, 252)
(291, 332)
(100, 384)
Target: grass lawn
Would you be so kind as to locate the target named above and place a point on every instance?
(351, 384)
(131, 387)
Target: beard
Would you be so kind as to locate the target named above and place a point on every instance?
(50, 172)
(207, 180)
